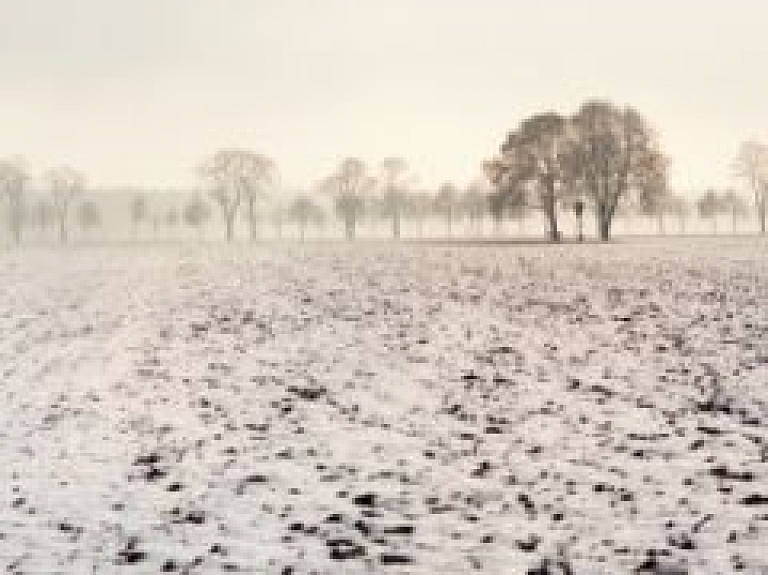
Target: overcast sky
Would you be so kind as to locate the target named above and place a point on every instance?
(140, 91)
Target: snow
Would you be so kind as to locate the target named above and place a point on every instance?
(390, 408)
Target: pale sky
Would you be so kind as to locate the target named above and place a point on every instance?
(140, 91)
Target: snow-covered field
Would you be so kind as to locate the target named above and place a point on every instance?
(396, 409)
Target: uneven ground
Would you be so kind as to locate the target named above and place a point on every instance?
(395, 409)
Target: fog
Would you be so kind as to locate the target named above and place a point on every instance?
(141, 92)
(416, 288)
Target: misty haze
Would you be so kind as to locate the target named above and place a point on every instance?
(339, 287)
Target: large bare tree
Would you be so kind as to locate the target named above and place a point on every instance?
(615, 156)
(236, 177)
(534, 154)
(66, 183)
(349, 186)
(752, 166)
(13, 177)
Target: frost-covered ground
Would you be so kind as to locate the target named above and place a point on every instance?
(395, 409)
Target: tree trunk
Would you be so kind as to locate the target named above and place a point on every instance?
(62, 231)
(761, 214)
(550, 208)
(396, 225)
(605, 230)
(604, 221)
(253, 229)
(230, 224)
(14, 221)
(551, 212)
(349, 224)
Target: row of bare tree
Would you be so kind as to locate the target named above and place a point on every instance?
(604, 159)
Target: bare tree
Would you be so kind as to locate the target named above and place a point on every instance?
(172, 220)
(88, 215)
(709, 206)
(737, 206)
(447, 204)
(66, 184)
(680, 208)
(278, 216)
(418, 206)
(139, 210)
(656, 206)
(304, 211)
(535, 154)
(196, 213)
(44, 215)
(615, 156)
(510, 195)
(349, 185)
(475, 204)
(394, 182)
(237, 176)
(752, 166)
(13, 177)
(500, 208)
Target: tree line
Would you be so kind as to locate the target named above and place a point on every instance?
(604, 160)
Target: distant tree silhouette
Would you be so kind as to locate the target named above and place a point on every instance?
(418, 206)
(303, 211)
(656, 206)
(44, 215)
(680, 208)
(475, 204)
(171, 220)
(737, 206)
(278, 216)
(447, 205)
(751, 165)
(13, 178)
(509, 198)
(394, 184)
(66, 184)
(349, 185)
(88, 216)
(196, 213)
(497, 207)
(238, 176)
(139, 211)
(709, 206)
